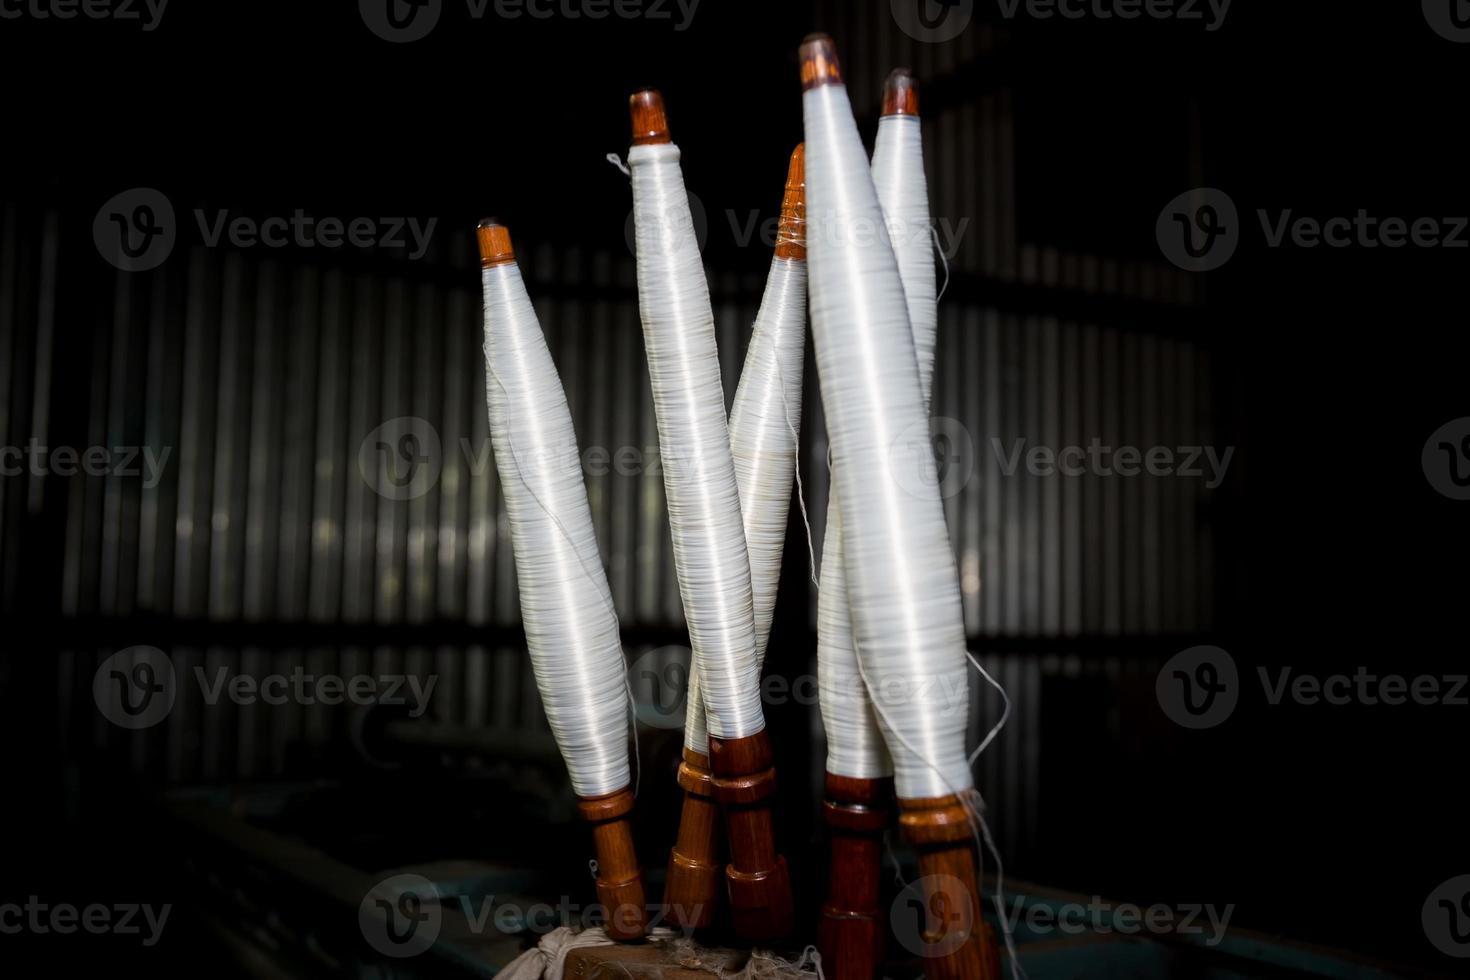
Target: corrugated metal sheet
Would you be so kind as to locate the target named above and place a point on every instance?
(265, 374)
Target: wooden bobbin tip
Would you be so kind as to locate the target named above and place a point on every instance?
(619, 878)
(495, 247)
(791, 231)
(650, 120)
(900, 94)
(819, 65)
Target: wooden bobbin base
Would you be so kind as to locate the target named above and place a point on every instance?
(757, 878)
(619, 880)
(692, 886)
(853, 925)
(960, 945)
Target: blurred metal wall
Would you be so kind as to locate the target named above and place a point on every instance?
(266, 373)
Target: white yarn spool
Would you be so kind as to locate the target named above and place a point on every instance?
(855, 747)
(902, 583)
(765, 426)
(694, 447)
(903, 194)
(571, 627)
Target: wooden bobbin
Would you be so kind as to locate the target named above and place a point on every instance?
(963, 946)
(692, 886)
(853, 925)
(757, 879)
(619, 880)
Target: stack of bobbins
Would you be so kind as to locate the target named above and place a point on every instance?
(741, 773)
(692, 883)
(619, 880)
(960, 947)
(856, 810)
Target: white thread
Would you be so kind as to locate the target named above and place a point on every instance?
(547, 959)
(571, 628)
(974, 810)
(617, 161)
(694, 446)
(944, 261)
(855, 746)
(594, 574)
(1004, 715)
(764, 434)
(898, 878)
(903, 195)
(902, 583)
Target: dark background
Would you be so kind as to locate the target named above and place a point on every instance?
(1326, 368)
